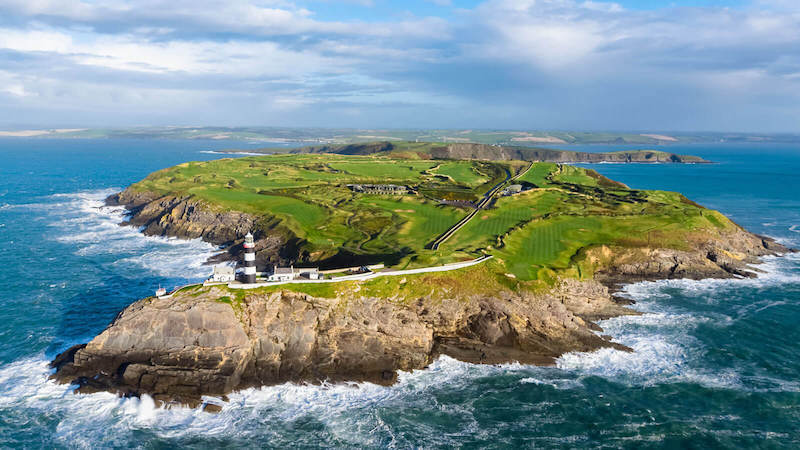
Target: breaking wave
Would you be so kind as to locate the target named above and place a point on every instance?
(664, 347)
(664, 352)
(83, 220)
(345, 410)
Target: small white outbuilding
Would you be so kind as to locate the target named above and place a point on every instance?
(292, 273)
(223, 274)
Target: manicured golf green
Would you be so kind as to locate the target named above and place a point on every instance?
(538, 234)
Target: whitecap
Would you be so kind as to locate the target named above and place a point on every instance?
(664, 350)
(347, 410)
(83, 220)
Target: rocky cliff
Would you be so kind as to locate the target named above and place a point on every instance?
(214, 340)
(190, 218)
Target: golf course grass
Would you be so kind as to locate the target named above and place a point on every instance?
(538, 234)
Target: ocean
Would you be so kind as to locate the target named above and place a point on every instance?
(716, 363)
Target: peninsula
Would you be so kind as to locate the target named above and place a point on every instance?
(466, 150)
(552, 241)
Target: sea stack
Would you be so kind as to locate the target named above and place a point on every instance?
(249, 259)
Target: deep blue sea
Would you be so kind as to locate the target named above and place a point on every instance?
(716, 363)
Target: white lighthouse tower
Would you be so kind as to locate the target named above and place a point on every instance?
(249, 259)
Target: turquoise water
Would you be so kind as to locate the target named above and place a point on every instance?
(717, 363)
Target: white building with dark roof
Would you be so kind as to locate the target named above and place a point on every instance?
(292, 273)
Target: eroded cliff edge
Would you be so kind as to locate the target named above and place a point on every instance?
(214, 340)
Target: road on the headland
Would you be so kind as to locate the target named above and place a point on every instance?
(481, 204)
(356, 277)
(370, 275)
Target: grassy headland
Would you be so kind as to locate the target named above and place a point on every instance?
(471, 150)
(539, 235)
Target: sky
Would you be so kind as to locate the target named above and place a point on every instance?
(647, 65)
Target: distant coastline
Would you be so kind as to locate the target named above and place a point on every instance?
(321, 136)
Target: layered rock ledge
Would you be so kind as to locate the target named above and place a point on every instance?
(214, 340)
(194, 344)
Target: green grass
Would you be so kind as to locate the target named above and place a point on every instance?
(305, 196)
(538, 174)
(381, 170)
(462, 172)
(416, 220)
(509, 212)
(555, 243)
(539, 234)
(574, 175)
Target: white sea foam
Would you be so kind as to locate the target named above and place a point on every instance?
(83, 220)
(663, 347)
(663, 352)
(345, 408)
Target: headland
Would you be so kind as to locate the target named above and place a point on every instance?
(560, 239)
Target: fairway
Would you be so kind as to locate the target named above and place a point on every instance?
(508, 212)
(564, 209)
(377, 170)
(538, 173)
(418, 221)
(462, 172)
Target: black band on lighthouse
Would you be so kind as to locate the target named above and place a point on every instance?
(249, 259)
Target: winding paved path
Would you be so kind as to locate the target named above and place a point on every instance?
(369, 275)
(481, 204)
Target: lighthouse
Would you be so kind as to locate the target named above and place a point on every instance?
(249, 259)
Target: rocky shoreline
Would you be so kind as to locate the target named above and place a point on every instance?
(211, 342)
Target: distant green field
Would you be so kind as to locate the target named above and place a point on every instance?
(538, 174)
(377, 170)
(462, 172)
(538, 234)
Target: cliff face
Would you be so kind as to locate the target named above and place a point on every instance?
(215, 340)
(189, 218)
(492, 152)
(500, 152)
(183, 217)
(726, 256)
(180, 348)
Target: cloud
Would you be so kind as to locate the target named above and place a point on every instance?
(503, 64)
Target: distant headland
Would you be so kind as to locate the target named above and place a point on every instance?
(436, 150)
(291, 136)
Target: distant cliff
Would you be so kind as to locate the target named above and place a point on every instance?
(490, 152)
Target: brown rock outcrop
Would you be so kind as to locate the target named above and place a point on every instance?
(180, 348)
(726, 256)
(216, 341)
(189, 218)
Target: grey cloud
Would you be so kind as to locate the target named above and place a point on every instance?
(506, 64)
